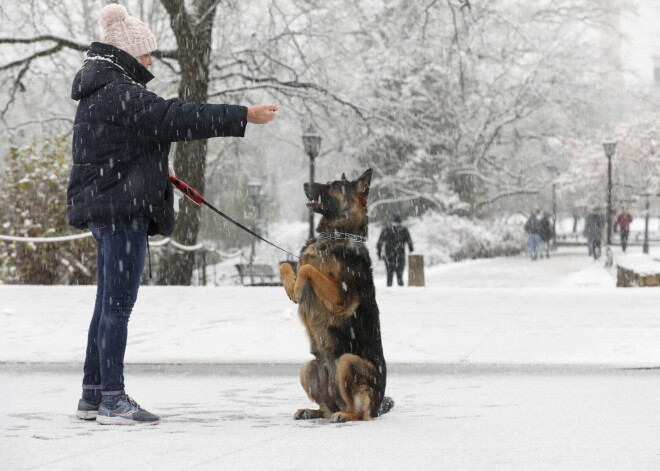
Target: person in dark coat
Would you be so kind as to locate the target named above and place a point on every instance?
(546, 234)
(394, 239)
(593, 231)
(119, 189)
(533, 230)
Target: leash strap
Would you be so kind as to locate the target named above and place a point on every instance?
(149, 255)
(198, 199)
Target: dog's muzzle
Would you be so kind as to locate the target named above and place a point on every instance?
(313, 192)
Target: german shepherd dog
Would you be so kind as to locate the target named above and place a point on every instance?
(335, 292)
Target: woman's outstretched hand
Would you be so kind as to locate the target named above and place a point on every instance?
(261, 114)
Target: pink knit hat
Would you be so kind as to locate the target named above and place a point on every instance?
(126, 32)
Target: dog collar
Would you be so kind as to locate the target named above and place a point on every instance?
(341, 236)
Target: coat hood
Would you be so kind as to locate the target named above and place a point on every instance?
(106, 64)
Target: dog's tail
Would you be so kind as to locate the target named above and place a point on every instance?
(385, 406)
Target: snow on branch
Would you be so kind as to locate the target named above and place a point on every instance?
(62, 43)
(506, 194)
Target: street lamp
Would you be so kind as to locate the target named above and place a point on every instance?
(645, 247)
(555, 172)
(254, 187)
(312, 144)
(610, 146)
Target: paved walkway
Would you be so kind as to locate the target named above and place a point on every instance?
(241, 419)
(561, 311)
(502, 364)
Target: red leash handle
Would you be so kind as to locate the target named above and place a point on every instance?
(188, 191)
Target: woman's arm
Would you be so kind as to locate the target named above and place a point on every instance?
(173, 120)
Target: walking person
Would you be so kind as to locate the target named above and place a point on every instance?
(593, 231)
(119, 189)
(623, 221)
(393, 240)
(533, 230)
(546, 234)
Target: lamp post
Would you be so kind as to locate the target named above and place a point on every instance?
(254, 187)
(555, 173)
(312, 144)
(645, 247)
(610, 146)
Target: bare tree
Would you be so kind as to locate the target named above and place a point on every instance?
(269, 51)
(475, 91)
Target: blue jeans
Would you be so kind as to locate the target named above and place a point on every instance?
(121, 251)
(533, 242)
(392, 267)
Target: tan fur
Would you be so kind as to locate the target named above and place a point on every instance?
(352, 374)
(323, 275)
(346, 386)
(354, 214)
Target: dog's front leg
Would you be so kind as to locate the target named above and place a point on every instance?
(325, 288)
(288, 279)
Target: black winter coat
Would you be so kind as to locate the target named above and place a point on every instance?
(593, 226)
(533, 225)
(546, 231)
(394, 238)
(121, 141)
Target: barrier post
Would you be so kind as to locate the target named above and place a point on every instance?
(415, 270)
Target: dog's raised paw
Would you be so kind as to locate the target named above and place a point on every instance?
(286, 271)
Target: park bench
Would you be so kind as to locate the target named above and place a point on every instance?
(257, 275)
(638, 270)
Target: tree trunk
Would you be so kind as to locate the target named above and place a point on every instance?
(465, 186)
(194, 44)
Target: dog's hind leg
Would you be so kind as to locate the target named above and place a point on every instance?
(314, 386)
(356, 378)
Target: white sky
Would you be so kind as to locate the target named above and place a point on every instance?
(641, 36)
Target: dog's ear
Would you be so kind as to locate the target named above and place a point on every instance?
(343, 177)
(363, 184)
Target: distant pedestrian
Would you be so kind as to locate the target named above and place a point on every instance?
(394, 239)
(623, 221)
(593, 231)
(533, 229)
(546, 235)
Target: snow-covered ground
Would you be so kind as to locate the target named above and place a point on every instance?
(495, 364)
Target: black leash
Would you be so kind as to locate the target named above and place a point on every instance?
(198, 199)
(245, 228)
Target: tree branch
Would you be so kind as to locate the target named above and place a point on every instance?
(210, 10)
(35, 121)
(47, 37)
(504, 195)
(27, 60)
(276, 84)
(69, 44)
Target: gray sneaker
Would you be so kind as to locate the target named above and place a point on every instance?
(126, 412)
(87, 410)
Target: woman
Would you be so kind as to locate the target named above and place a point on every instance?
(119, 189)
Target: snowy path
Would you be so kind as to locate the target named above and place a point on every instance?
(565, 310)
(464, 421)
(496, 364)
(570, 267)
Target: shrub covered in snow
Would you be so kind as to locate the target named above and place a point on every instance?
(440, 238)
(33, 204)
(443, 238)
